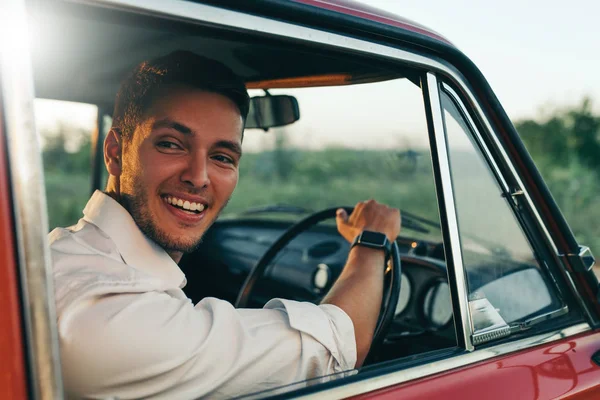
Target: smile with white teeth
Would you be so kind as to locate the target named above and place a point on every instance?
(190, 207)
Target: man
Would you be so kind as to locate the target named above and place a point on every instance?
(126, 328)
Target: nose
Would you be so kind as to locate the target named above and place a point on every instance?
(196, 172)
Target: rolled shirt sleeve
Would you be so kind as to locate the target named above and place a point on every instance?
(327, 325)
(156, 345)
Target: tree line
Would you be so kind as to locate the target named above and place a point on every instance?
(566, 149)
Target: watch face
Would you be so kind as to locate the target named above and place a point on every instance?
(375, 238)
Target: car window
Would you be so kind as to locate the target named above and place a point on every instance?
(505, 281)
(65, 130)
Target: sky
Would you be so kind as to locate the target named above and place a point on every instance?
(537, 55)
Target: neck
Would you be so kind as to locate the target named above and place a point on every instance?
(175, 255)
(113, 188)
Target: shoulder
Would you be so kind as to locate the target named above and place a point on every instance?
(82, 238)
(86, 264)
(83, 250)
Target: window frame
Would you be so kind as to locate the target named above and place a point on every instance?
(548, 266)
(515, 190)
(30, 212)
(448, 217)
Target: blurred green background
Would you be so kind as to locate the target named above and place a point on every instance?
(565, 145)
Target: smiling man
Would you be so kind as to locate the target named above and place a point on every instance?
(126, 328)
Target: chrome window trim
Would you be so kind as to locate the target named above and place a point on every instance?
(464, 335)
(204, 14)
(29, 200)
(405, 375)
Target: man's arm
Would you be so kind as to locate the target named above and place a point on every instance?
(359, 289)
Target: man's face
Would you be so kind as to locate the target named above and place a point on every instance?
(181, 166)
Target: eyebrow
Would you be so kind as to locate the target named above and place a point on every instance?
(232, 146)
(169, 123)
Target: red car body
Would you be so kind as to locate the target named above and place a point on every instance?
(363, 11)
(13, 375)
(562, 369)
(555, 368)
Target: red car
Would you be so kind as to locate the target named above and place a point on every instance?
(491, 295)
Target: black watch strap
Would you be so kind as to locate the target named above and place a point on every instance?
(374, 240)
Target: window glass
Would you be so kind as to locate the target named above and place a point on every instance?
(505, 281)
(65, 130)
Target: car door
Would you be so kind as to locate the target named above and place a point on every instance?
(12, 370)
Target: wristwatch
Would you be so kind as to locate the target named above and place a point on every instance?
(374, 240)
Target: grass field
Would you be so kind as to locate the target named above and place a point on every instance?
(319, 179)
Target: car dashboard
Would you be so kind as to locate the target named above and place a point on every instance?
(306, 268)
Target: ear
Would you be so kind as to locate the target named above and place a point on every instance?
(113, 152)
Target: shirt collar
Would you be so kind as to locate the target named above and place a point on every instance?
(136, 249)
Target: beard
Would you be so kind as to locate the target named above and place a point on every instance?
(137, 206)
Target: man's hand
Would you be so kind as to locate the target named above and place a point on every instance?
(359, 288)
(371, 216)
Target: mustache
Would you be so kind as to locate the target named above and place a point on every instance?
(193, 191)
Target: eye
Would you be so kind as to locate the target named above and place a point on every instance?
(168, 145)
(223, 159)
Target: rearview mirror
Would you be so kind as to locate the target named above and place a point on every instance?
(271, 111)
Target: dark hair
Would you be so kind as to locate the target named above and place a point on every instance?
(136, 93)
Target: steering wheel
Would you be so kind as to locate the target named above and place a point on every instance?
(391, 289)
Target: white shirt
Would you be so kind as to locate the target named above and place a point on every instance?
(127, 329)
